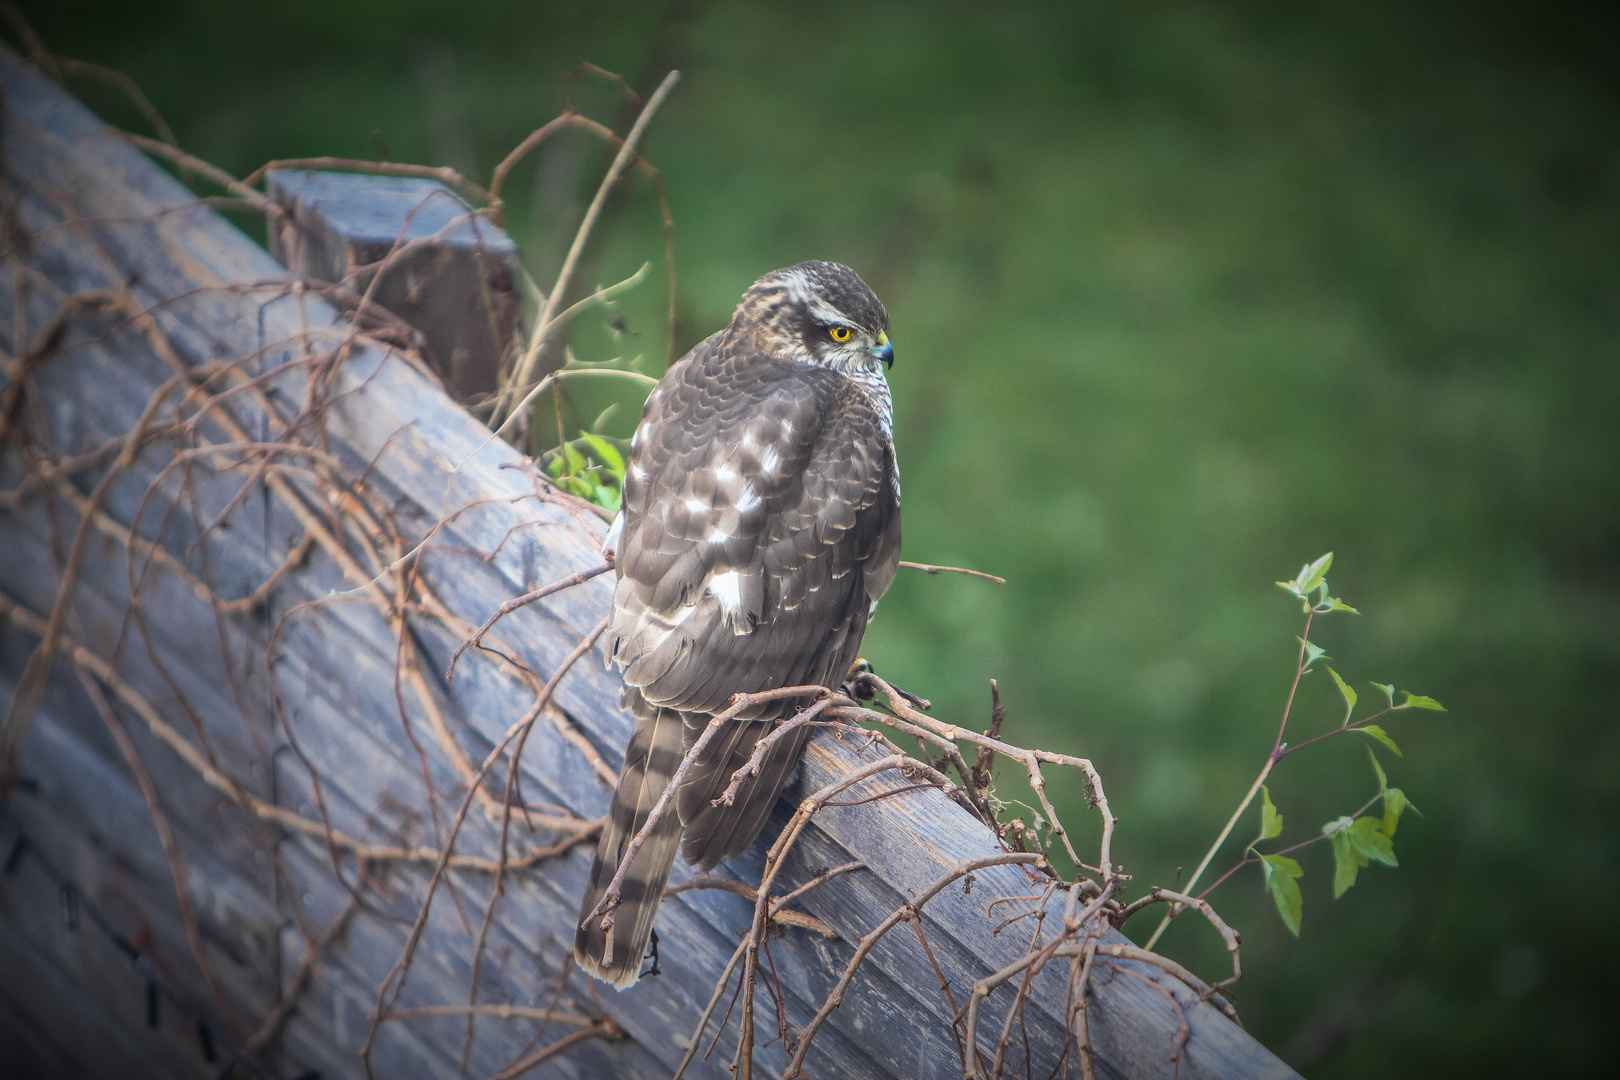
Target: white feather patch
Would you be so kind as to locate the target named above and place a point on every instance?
(747, 500)
(718, 536)
(727, 588)
(769, 460)
(614, 533)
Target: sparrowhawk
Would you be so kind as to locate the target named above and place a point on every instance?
(760, 524)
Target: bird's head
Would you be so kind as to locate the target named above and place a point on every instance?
(819, 313)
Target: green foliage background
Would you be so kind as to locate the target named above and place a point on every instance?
(1182, 295)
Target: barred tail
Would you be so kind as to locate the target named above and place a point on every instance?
(723, 832)
(649, 764)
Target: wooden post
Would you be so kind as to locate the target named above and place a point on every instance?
(447, 273)
(273, 651)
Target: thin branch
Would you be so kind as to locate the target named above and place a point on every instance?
(931, 569)
(522, 601)
(445, 175)
(749, 893)
(525, 368)
(502, 1012)
(171, 850)
(910, 909)
(601, 1029)
(1254, 789)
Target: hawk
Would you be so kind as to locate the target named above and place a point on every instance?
(759, 527)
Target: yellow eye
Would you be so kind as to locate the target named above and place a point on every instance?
(840, 333)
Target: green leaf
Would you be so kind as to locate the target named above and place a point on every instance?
(1381, 735)
(1280, 874)
(1282, 864)
(1418, 701)
(1313, 575)
(1344, 688)
(1394, 805)
(1289, 586)
(1370, 842)
(1389, 691)
(1345, 864)
(1271, 822)
(555, 466)
(1313, 651)
(576, 460)
(608, 453)
(1383, 781)
(1340, 605)
(607, 497)
(1337, 825)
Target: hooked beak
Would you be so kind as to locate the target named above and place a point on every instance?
(884, 350)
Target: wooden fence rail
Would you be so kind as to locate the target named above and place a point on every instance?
(117, 281)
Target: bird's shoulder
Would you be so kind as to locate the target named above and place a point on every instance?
(727, 388)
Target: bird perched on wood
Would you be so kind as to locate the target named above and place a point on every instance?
(760, 526)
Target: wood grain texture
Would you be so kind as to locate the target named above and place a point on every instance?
(453, 278)
(335, 665)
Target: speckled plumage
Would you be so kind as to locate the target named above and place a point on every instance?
(760, 525)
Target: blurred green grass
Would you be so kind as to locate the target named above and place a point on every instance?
(1182, 295)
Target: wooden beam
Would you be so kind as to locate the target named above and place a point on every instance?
(88, 212)
(412, 248)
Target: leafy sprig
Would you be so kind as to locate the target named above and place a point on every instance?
(1355, 840)
(591, 467)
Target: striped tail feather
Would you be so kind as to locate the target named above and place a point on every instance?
(714, 832)
(649, 764)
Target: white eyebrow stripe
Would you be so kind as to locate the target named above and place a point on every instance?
(824, 312)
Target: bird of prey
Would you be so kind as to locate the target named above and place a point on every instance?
(760, 525)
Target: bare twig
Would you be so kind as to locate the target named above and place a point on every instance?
(600, 1029)
(500, 1012)
(171, 850)
(445, 175)
(930, 569)
(524, 370)
(911, 909)
(522, 601)
(748, 892)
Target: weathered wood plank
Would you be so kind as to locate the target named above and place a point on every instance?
(453, 278)
(335, 665)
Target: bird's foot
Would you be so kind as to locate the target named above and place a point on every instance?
(858, 684)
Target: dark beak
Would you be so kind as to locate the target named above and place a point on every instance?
(885, 350)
